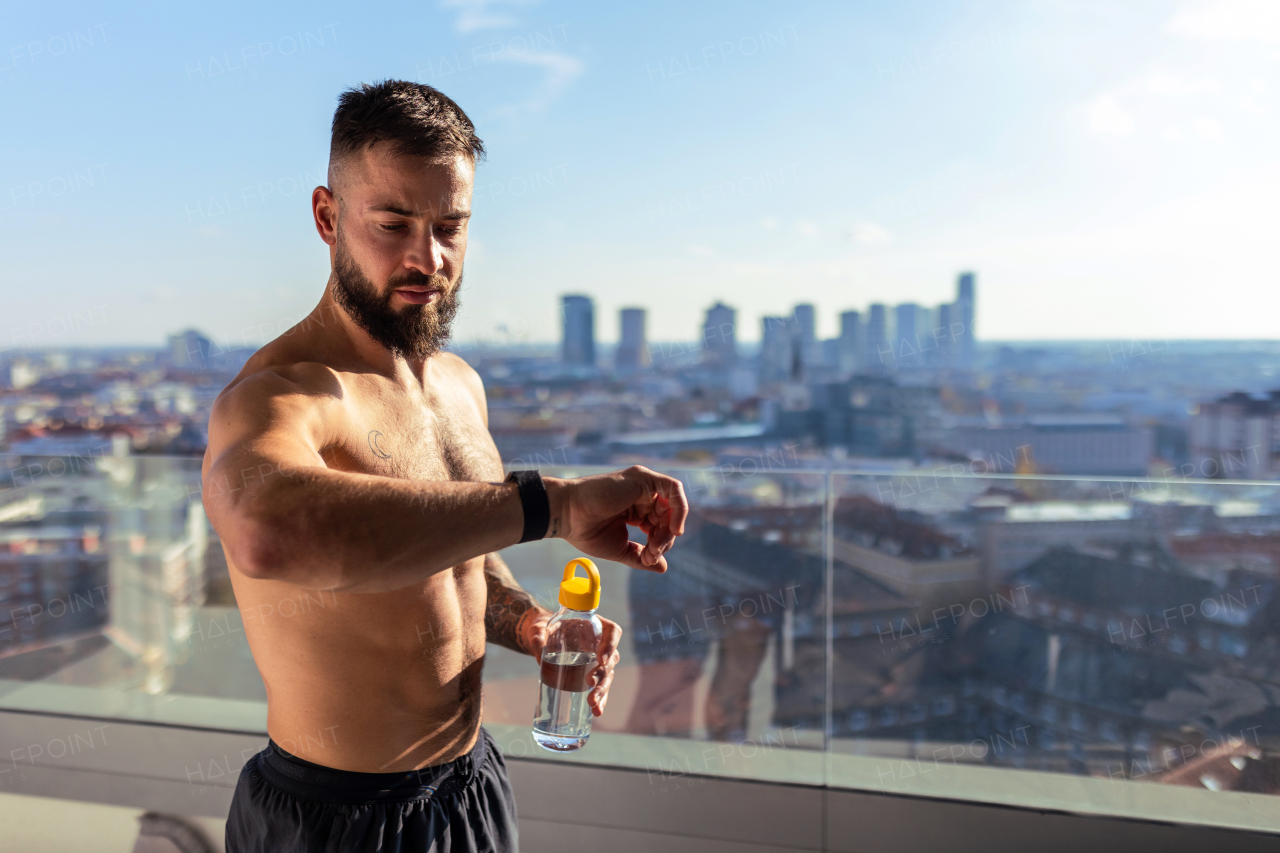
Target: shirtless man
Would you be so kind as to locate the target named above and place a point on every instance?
(351, 456)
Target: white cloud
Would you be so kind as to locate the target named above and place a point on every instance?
(1164, 84)
(769, 222)
(1208, 128)
(476, 15)
(1233, 20)
(701, 251)
(868, 233)
(808, 229)
(1250, 105)
(559, 69)
(1108, 118)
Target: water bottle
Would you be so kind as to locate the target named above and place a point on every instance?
(562, 719)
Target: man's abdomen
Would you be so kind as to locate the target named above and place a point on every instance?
(372, 682)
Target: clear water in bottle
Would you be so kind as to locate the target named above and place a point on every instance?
(562, 720)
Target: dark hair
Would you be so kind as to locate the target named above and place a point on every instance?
(414, 118)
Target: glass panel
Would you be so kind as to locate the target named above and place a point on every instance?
(114, 597)
(120, 606)
(1122, 632)
(723, 656)
(1046, 642)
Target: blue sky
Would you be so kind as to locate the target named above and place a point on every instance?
(1109, 169)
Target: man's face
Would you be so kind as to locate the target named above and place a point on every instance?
(401, 237)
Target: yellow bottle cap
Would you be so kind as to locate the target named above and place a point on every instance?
(579, 593)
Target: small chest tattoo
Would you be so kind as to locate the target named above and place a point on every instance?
(374, 447)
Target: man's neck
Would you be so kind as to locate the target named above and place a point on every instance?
(360, 346)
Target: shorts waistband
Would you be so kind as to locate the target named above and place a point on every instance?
(304, 779)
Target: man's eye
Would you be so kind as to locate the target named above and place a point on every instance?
(391, 226)
(453, 230)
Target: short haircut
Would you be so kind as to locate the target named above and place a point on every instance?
(414, 118)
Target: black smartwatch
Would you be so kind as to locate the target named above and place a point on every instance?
(534, 502)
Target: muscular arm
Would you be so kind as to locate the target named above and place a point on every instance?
(508, 608)
(283, 514)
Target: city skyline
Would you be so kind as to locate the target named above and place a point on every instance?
(1096, 198)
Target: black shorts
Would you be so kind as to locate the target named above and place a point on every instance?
(283, 804)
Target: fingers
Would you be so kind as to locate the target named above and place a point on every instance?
(599, 695)
(637, 556)
(661, 510)
(609, 639)
(608, 656)
(679, 506)
(671, 506)
(538, 641)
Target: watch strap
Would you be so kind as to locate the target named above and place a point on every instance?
(534, 502)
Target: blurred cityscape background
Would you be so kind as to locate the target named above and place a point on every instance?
(903, 385)
(867, 498)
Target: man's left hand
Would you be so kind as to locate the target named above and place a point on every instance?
(533, 636)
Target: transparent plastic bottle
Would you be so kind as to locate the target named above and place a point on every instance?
(562, 718)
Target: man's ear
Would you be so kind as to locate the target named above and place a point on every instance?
(324, 208)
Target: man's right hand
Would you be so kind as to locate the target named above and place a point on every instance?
(593, 513)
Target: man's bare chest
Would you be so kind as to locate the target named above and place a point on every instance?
(440, 438)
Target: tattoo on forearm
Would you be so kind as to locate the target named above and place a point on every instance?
(555, 527)
(505, 607)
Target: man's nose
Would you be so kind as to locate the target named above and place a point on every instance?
(426, 255)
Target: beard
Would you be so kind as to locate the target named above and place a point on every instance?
(418, 331)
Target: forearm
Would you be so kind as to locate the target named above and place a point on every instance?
(507, 606)
(321, 528)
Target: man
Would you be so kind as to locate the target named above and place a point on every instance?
(350, 460)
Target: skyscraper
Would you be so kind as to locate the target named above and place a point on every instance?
(963, 316)
(849, 345)
(719, 336)
(776, 348)
(911, 336)
(879, 356)
(633, 349)
(806, 329)
(942, 333)
(578, 341)
(189, 349)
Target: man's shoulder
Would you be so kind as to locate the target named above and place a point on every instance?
(280, 381)
(453, 361)
(458, 368)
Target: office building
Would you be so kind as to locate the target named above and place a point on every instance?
(1233, 438)
(1058, 444)
(912, 338)
(578, 341)
(778, 349)
(719, 336)
(944, 342)
(849, 345)
(879, 353)
(189, 349)
(806, 328)
(963, 312)
(868, 416)
(633, 349)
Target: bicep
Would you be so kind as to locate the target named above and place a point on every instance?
(259, 430)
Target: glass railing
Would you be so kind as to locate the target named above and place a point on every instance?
(1097, 646)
